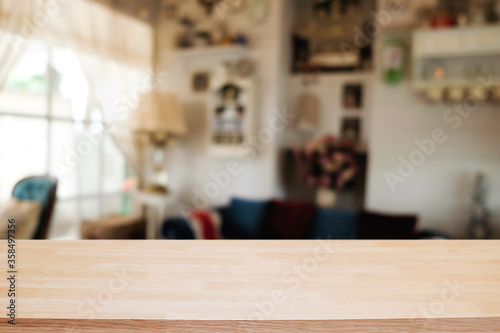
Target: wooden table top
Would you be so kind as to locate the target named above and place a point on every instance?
(254, 286)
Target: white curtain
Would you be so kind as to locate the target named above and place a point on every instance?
(14, 31)
(115, 90)
(116, 54)
(115, 50)
(82, 25)
(95, 29)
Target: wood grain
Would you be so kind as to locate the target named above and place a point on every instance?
(255, 286)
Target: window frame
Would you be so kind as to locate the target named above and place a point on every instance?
(80, 198)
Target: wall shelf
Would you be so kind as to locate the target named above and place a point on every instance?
(458, 54)
(464, 83)
(209, 51)
(462, 42)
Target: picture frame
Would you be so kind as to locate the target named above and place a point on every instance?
(230, 115)
(351, 129)
(200, 82)
(353, 96)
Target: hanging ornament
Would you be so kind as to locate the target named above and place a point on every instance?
(209, 5)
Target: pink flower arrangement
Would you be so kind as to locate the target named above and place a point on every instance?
(327, 162)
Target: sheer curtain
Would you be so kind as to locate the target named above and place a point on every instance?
(93, 28)
(115, 90)
(116, 54)
(15, 31)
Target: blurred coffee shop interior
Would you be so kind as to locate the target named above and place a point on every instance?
(249, 119)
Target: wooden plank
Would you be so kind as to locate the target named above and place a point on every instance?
(255, 286)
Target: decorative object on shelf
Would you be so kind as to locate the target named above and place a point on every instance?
(393, 61)
(479, 226)
(490, 14)
(322, 9)
(351, 7)
(353, 94)
(480, 92)
(156, 124)
(209, 5)
(462, 20)
(495, 93)
(187, 36)
(201, 81)
(335, 61)
(231, 109)
(351, 129)
(219, 32)
(201, 39)
(221, 35)
(435, 94)
(336, 10)
(327, 164)
(475, 69)
(442, 13)
(240, 39)
(434, 71)
(456, 94)
(308, 113)
(245, 68)
(478, 16)
(259, 11)
(441, 20)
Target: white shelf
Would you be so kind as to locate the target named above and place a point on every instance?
(425, 84)
(348, 75)
(464, 42)
(208, 51)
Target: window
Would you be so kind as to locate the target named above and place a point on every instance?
(49, 125)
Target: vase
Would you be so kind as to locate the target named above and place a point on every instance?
(326, 197)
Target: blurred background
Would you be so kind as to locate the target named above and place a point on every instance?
(250, 118)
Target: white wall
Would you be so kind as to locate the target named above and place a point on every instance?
(328, 89)
(190, 164)
(440, 189)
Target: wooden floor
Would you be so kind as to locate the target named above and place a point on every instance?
(254, 286)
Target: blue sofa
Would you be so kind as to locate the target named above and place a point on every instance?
(41, 189)
(244, 219)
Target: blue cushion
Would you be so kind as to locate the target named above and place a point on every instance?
(37, 189)
(333, 224)
(242, 218)
(177, 228)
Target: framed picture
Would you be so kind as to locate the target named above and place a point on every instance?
(351, 129)
(201, 81)
(353, 96)
(230, 116)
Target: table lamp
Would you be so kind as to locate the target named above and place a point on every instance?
(155, 124)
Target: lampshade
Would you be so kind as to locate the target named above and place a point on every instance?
(158, 112)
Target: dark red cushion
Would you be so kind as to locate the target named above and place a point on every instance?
(287, 220)
(386, 226)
